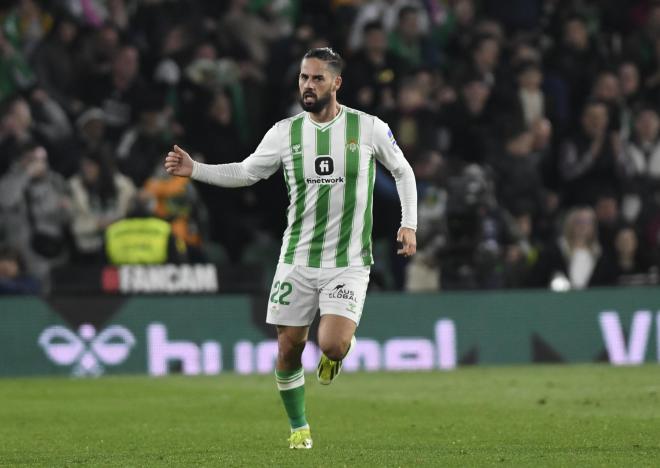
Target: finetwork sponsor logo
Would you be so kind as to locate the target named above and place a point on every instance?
(325, 180)
(87, 351)
(324, 165)
(161, 279)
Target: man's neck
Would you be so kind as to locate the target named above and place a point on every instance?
(327, 114)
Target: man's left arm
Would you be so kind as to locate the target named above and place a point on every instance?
(387, 151)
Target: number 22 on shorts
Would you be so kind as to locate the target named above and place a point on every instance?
(283, 289)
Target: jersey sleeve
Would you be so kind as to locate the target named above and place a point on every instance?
(267, 158)
(261, 164)
(387, 151)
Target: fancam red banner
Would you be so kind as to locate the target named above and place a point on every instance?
(193, 335)
(131, 279)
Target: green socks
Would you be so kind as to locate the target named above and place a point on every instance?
(291, 385)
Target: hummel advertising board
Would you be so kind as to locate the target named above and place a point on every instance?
(209, 335)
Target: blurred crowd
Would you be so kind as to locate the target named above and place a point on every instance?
(532, 127)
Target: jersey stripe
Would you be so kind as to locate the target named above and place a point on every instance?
(301, 190)
(322, 204)
(366, 231)
(352, 157)
(323, 141)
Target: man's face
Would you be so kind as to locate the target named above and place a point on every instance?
(488, 53)
(376, 41)
(647, 125)
(576, 34)
(317, 84)
(595, 120)
(126, 63)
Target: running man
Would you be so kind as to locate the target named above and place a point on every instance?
(328, 154)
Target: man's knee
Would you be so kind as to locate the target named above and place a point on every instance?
(289, 350)
(334, 349)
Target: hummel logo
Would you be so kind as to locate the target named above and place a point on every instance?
(296, 148)
(339, 286)
(87, 350)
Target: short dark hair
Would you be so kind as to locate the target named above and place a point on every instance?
(407, 10)
(374, 25)
(329, 56)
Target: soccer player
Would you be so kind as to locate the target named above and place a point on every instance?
(328, 154)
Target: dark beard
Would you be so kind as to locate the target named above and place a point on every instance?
(318, 105)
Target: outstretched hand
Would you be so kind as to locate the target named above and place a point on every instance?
(408, 240)
(178, 162)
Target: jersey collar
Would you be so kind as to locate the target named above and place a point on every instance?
(325, 124)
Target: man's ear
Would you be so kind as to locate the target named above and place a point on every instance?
(338, 81)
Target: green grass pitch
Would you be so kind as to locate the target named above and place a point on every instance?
(573, 416)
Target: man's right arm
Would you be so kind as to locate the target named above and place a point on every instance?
(223, 175)
(261, 164)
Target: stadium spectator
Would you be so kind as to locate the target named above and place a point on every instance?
(13, 279)
(215, 137)
(388, 12)
(90, 131)
(631, 95)
(453, 32)
(15, 73)
(141, 146)
(100, 196)
(517, 176)
(53, 126)
(248, 32)
(34, 201)
(409, 43)
(117, 91)
(176, 200)
(576, 60)
(531, 107)
(628, 265)
(469, 121)
(95, 13)
(412, 121)
(142, 239)
(36, 117)
(641, 42)
(592, 160)
(642, 161)
(15, 130)
(480, 234)
(423, 271)
(484, 59)
(607, 89)
(97, 49)
(373, 73)
(27, 23)
(55, 64)
(575, 260)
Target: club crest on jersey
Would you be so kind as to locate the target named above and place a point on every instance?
(352, 145)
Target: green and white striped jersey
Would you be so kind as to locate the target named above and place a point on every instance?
(329, 170)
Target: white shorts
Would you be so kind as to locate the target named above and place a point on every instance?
(299, 291)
